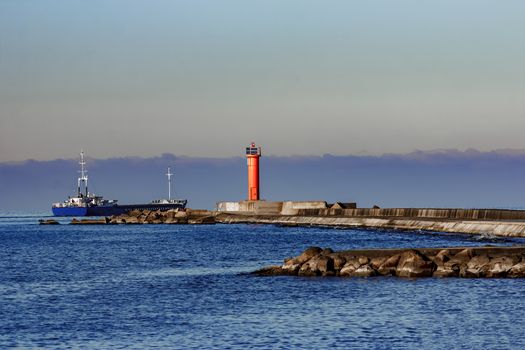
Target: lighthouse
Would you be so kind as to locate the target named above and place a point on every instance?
(253, 154)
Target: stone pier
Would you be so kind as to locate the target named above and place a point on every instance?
(465, 262)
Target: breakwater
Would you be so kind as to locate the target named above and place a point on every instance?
(480, 262)
(477, 227)
(490, 222)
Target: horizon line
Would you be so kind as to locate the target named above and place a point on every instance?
(417, 152)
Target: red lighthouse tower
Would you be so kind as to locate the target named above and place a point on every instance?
(253, 154)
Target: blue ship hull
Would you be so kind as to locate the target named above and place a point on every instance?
(70, 211)
(113, 209)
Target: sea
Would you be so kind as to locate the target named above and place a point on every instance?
(189, 287)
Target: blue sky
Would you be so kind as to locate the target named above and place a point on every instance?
(204, 78)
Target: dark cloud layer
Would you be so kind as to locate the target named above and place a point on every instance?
(419, 179)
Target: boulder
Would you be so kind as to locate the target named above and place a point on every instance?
(377, 262)
(476, 267)
(465, 255)
(353, 261)
(446, 271)
(307, 255)
(350, 270)
(132, 220)
(51, 222)
(388, 267)
(456, 265)
(269, 271)
(134, 213)
(181, 214)
(325, 265)
(500, 266)
(352, 264)
(183, 220)
(201, 220)
(363, 260)
(363, 271)
(291, 268)
(327, 251)
(305, 270)
(442, 257)
(414, 264)
(339, 262)
(347, 270)
(170, 214)
(319, 265)
(517, 271)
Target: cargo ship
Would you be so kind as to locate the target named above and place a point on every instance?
(89, 204)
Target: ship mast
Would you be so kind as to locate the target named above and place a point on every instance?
(169, 174)
(83, 175)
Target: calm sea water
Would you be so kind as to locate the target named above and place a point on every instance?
(159, 286)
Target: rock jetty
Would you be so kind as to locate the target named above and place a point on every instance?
(48, 222)
(478, 262)
(173, 216)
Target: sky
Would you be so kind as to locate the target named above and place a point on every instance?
(204, 78)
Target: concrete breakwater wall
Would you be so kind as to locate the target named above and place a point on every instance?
(478, 227)
(489, 262)
(429, 213)
(322, 208)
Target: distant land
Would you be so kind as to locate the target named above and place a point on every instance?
(441, 178)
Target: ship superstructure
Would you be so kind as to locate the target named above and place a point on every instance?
(89, 204)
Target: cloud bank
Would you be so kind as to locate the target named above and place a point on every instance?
(442, 178)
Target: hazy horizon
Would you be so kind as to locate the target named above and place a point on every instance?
(421, 179)
(417, 153)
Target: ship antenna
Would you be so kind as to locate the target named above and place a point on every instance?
(169, 174)
(83, 174)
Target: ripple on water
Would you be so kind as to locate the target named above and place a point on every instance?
(182, 287)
